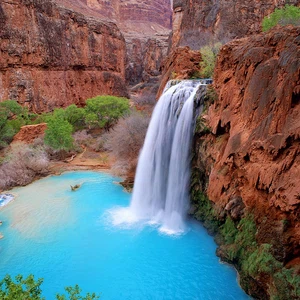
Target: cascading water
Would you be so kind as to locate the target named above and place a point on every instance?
(160, 192)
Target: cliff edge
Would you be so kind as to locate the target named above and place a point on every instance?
(247, 161)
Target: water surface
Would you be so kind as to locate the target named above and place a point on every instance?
(67, 238)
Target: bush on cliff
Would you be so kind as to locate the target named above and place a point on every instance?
(288, 15)
(209, 56)
(28, 288)
(104, 111)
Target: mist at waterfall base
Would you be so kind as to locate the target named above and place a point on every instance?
(161, 188)
(66, 238)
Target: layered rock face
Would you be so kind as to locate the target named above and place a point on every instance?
(52, 56)
(146, 26)
(199, 22)
(250, 161)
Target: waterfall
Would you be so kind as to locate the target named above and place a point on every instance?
(161, 188)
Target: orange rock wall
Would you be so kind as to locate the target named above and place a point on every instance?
(200, 22)
(53, 56)
(253, 152)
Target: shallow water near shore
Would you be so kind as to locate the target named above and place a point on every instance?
(67, 238)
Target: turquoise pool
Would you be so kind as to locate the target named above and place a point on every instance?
(67, 238)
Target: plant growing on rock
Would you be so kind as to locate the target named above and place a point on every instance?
(289, 15)
(104, 111)
(209, 55)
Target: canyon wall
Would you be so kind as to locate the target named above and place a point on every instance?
(146, 26)
(55, 53)
(247, 154)
(200, 22)
(52, 56)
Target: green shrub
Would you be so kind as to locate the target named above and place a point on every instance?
(28, 288)
(209, 56)
(58, 134)
(288, 15)
(229, 231)
(261, 261)
(42, 118)
(104, 111)
(73, 114)
(286, 285)
(12, 117)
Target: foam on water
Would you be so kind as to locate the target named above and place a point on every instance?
(161, 189)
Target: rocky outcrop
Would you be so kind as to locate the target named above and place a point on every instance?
(52, 56)
(29, 133)
(247, 155)
(146, 26)
(181, 63)
(200, 22)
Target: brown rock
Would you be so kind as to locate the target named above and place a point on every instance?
(256, 127)
(52, 56)
(181, 63)
(29, 133)
(200, 22)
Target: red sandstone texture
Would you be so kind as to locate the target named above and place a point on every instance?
(181, 63)
(146, 26)
(29, 133)
(200, 22)
(253, 151)
(52, 56)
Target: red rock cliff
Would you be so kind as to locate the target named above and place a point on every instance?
(251, 159)
(199, 22)
(53, 56)
(146, 26)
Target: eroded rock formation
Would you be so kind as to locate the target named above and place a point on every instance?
(55, 53)
(200, 22)
(250, 161)
(146, 26)
(52, 56)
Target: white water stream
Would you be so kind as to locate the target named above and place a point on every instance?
(161, 189)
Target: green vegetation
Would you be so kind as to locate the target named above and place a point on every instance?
(288, 15)
(100, 112)
(12, 117)
(104, 111)
(209, 56)
(239, 246)
(58, 134)
(30, 289)
(72, 114)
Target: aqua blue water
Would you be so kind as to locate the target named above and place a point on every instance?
(66, 238)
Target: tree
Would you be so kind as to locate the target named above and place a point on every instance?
(288, 15)
(21, 288)
(58, 134)
(209, 56)
(104, 111)
(30, 289)
(12, 117)
(75, 116)
(74, 294)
